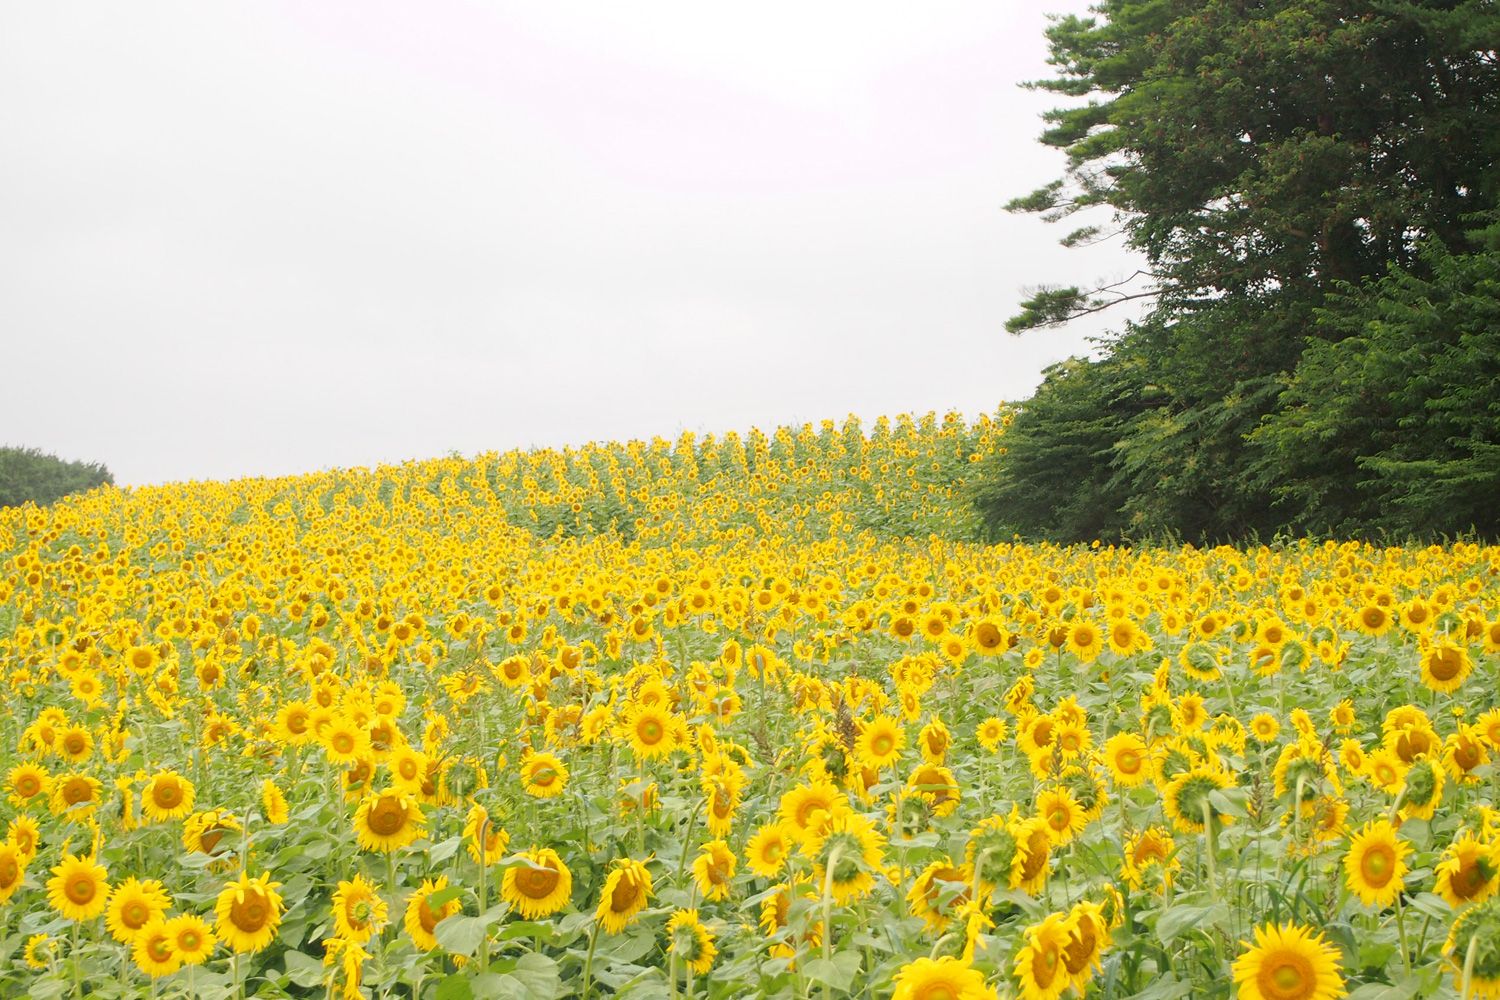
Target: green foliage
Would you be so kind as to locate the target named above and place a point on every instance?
(1053, 476)
(29, 475)
(1393, 422)
(1268, 161)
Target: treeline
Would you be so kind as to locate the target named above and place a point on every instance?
(1314, 188)
(27, 474)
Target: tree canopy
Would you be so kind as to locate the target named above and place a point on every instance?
(1296, 174)
(29, 475)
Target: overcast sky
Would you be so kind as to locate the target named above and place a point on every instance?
(253, 239)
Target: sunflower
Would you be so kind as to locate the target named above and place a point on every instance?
(807, 809)
(1088, 937)
(1423, 791)
(294, 723)
(1032, 858)
(358, 910)
(626, 891)
(168, 795)
(1417, 616)
(1264, 727)
(192, 939)
(344, 741)
(651, 730)
(1476, 929)
(713, 870)
(767, 851)
(27, 781)
(202, 832)
(1186, 799)
(1445, 666)
(496, 840)
(846, 854)
(947, 978)
(990, 853)
(132, 905)
(421, 917)
(1084, 641)
(1040, 964)
(1352, 756)
(879, 742)
(388, 821)
(937, 891)
(1149, 851)
(1036, 734)
(1060, 815)
(1372, 619)
(39, 952)
(1375, 864)
(991, 733)
(1386, 771)
(75, 744)
(543, 775)
(1125, 637)
(1288, 962)
(75, 796)
(408, 767)
(690, 941)
(1463, 752)
(989, 637)
(934, 740)
(248, 912)
(12, 870)
(153, 952)
(776, 916)
(273, 801)
(1469, 871)
(1128, 759)
(78, 888)
(539, 886)
(935, 785)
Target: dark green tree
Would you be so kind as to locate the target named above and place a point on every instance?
(1258, 156)
(1392, 421)
(29, 475)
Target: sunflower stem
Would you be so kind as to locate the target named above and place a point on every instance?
(1468, 979)
(588, 963)
(1401, 932)
(1212, 848)
(691, 829)
(482, 834)
(77, 963)
(833, 861)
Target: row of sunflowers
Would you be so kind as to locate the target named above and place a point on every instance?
(725, 717)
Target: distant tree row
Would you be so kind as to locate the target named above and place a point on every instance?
(1313, 185)
(27, 474)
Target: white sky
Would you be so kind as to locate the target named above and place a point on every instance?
(252, 239)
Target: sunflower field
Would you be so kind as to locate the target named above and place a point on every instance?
(725, 717)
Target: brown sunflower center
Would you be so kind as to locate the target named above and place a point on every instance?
(1445, 665)
(251, 913)
(1045, 966)
(82, 888)
(624, 895)
(1287, 977)
(537, 883)
(387, 816)
(1080, 950)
